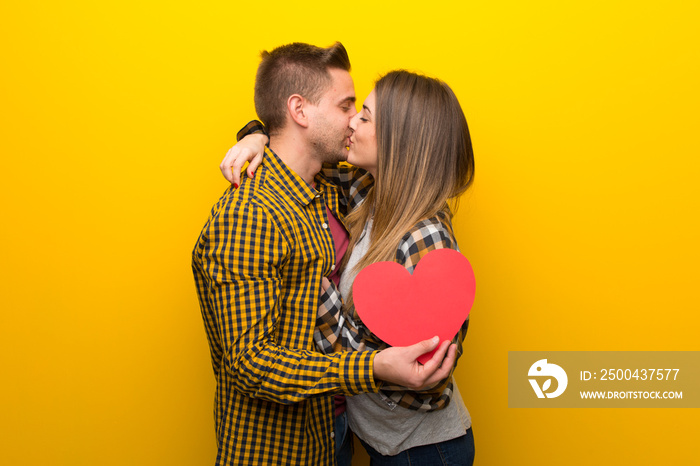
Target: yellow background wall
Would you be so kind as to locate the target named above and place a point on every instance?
(582, 225)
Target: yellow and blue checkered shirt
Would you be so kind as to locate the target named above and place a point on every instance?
(258, 266)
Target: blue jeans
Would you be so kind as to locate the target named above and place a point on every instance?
(343, 441)
(459, 451)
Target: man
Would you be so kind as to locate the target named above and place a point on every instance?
(258, 265)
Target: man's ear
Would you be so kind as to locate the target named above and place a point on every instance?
(297, 107)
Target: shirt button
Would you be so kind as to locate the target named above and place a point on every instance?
(332, 434)
(333, 267)
(325, 226)
(317, 196)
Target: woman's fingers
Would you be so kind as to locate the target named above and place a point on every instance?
(249, 149)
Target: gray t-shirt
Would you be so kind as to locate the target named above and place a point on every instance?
(378, 421)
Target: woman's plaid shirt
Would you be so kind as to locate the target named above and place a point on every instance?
(258, 265)
(341, 329)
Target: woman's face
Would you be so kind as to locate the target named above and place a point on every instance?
(363, 141)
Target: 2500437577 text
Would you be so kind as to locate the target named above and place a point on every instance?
(631, 374)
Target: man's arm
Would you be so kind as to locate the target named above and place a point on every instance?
(241, 255)
(239, 290)
(398, 365)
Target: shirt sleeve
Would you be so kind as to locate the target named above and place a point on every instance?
(240, 262)
(336, 330)
(353, 184)
(252, 127)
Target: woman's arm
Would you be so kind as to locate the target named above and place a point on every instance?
(250, 147)
(353, 183)
(336, 330)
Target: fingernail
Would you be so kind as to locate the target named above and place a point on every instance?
(235, 185)
(251, 174)
(436, 339)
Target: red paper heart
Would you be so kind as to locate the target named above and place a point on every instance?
(403, 309)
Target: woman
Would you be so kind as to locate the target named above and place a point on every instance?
(412, 140)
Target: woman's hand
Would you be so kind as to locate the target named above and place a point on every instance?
(249, 149)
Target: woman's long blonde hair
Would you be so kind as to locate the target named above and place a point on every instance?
(424, 159)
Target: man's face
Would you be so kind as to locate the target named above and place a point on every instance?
(329, 127)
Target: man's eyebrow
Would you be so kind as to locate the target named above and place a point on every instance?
(349, 99)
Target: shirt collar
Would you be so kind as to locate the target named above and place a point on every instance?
(293, 184)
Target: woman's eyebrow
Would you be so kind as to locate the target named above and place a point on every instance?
(367, 108)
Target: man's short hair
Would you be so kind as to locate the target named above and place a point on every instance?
(296, 68)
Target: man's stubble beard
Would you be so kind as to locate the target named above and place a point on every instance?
(329, 149)
(333, 156)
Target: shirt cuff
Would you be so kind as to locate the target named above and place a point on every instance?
(357, 372)
(252, 127)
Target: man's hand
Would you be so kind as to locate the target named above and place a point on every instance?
(398, 365)
(249, 149)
